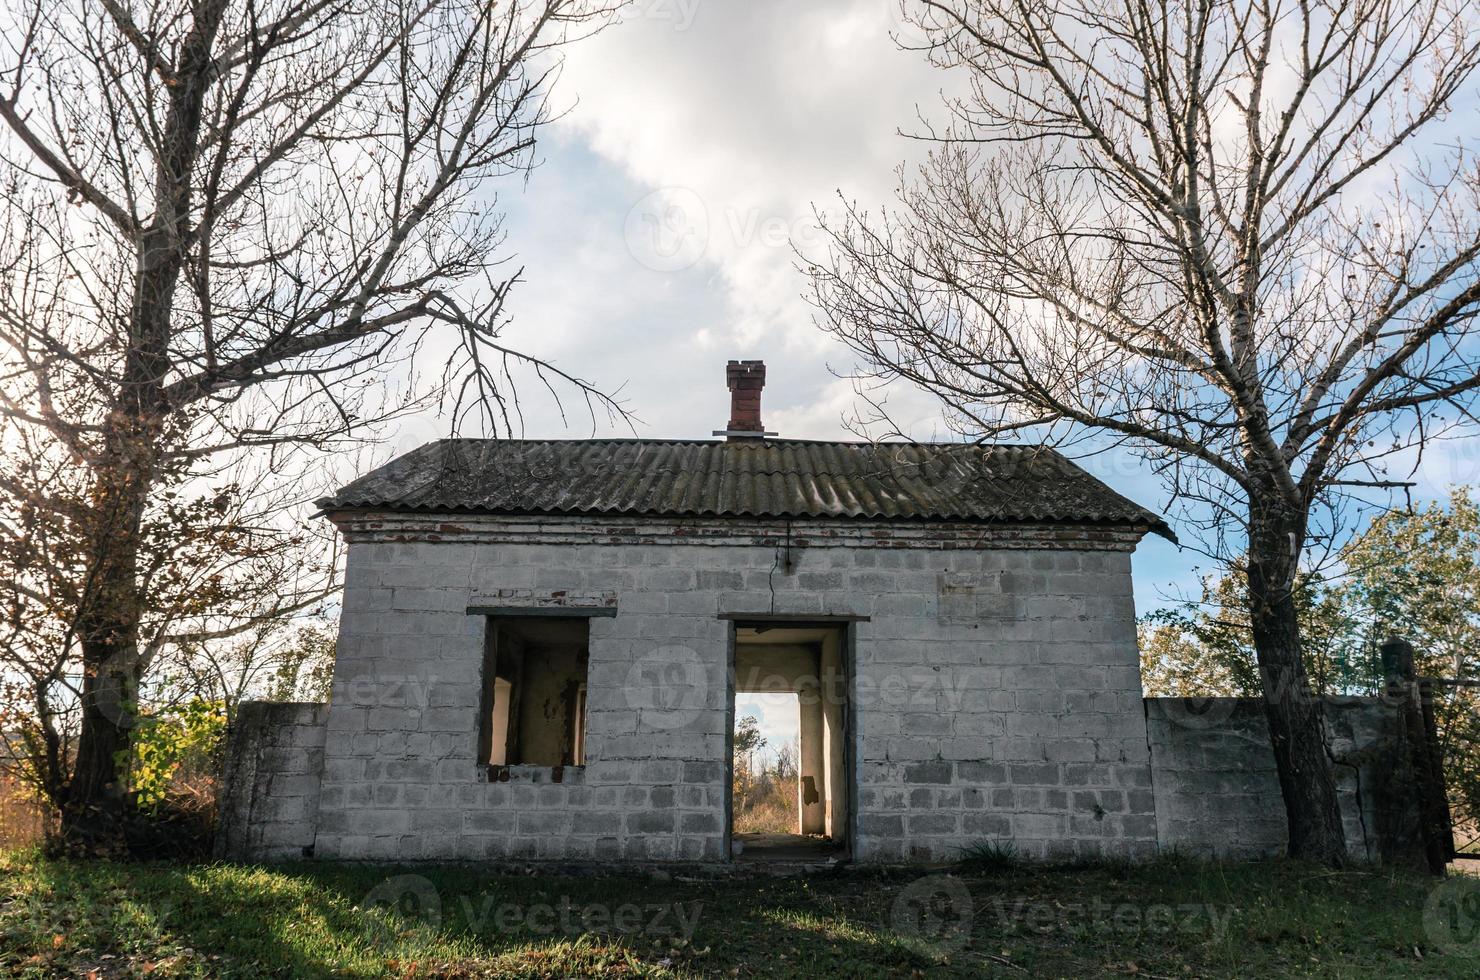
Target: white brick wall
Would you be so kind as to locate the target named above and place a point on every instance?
(996, 693)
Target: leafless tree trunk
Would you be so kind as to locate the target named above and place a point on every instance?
(1240, 237)
(225, 221)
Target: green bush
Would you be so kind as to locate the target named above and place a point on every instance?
(172, 741)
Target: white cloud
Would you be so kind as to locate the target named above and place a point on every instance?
(658, 237)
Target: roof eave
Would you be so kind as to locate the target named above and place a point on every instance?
(334, 511)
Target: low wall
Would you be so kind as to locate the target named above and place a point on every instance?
(270, 789)
(1218, 795)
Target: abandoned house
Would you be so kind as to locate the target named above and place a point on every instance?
(542, 642)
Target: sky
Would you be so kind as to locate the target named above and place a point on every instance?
(779, 716)
(656, 238)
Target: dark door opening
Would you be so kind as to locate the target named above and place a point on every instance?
(794, 805)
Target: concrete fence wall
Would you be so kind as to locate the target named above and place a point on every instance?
(269, 805)
(1218, 794)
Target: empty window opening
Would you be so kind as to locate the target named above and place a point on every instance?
(534, 691)
(789, 800)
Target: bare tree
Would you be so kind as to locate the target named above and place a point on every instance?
(221, 565)
(1238, 236)
(225, 222)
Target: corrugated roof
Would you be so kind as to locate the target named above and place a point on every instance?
(759, 478)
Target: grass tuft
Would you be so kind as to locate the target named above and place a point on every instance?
(989, 855)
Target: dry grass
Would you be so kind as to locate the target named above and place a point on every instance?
(180, 827)
(770, 808)
(23, 820)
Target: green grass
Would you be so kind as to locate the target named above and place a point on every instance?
(1171, 919)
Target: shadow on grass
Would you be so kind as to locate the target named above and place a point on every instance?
(311, 921)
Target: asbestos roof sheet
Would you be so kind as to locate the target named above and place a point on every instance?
(762, 478)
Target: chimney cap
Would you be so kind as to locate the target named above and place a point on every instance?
(749, 370)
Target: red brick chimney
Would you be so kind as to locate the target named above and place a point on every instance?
(746, 379)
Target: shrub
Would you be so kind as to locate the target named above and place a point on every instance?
(172, 743)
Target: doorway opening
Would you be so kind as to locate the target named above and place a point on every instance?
(790, 798)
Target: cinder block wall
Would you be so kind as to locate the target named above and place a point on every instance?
(996, 691)
(1213, 787)
(270, 794)
(1218, 795)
